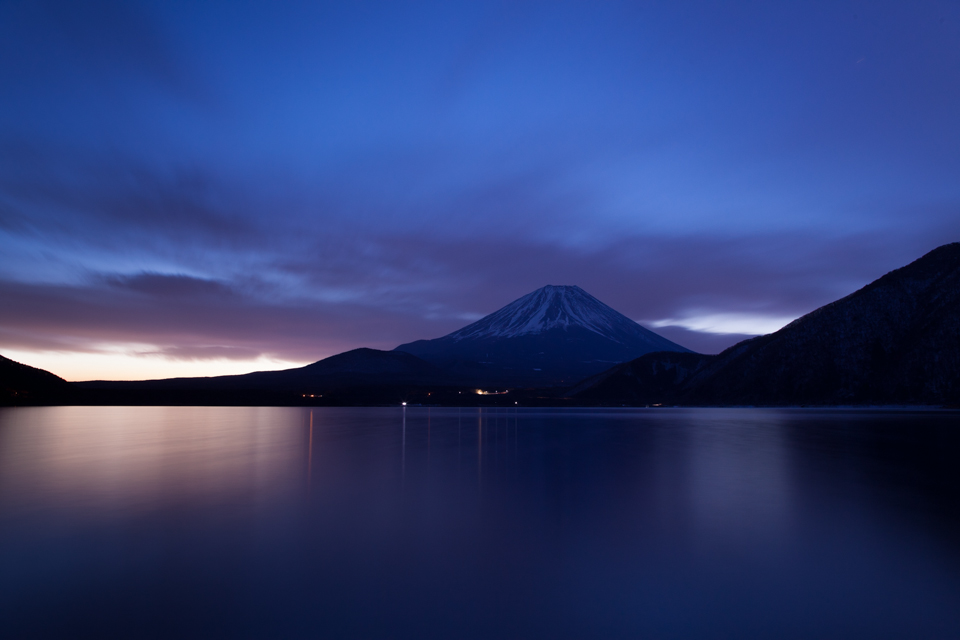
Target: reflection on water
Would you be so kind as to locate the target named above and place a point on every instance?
(87, 458)
(420, 522)
(742, 481)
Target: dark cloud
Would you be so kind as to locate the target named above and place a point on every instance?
(191, 354)
(105, 198)
(26, 338)
(646, 278)
(112, 32)
(170, 286)
(175, 316)
(12, 219)
(98, 38)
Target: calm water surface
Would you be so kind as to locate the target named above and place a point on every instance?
(193, 522)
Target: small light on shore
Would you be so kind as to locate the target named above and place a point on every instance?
(403, 404)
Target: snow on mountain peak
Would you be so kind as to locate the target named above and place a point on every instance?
(550, 307)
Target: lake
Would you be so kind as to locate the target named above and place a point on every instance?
(237, 522)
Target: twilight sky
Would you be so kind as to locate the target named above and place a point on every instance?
(197, 188)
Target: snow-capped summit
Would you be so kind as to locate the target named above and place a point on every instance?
(555, 335)
(549, 307)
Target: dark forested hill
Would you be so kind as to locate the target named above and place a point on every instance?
(21, 384)
(895, 341)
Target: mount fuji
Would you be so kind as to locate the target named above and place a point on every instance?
(555, 335)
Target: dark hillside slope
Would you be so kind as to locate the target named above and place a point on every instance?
(895, 341)
(22, 384)
(654, 378)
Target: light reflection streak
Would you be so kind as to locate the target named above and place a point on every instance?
(310, 451)
(119, 458)
(738, 474)
(480, 448)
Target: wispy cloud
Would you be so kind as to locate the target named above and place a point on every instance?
(727, 323)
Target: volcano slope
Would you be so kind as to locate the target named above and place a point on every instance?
(555, 335)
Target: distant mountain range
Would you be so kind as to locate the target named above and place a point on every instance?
(554, 336)
(896, 341)
(360, 376)
(349, 369)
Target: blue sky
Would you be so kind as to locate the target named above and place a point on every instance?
(200, 188)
